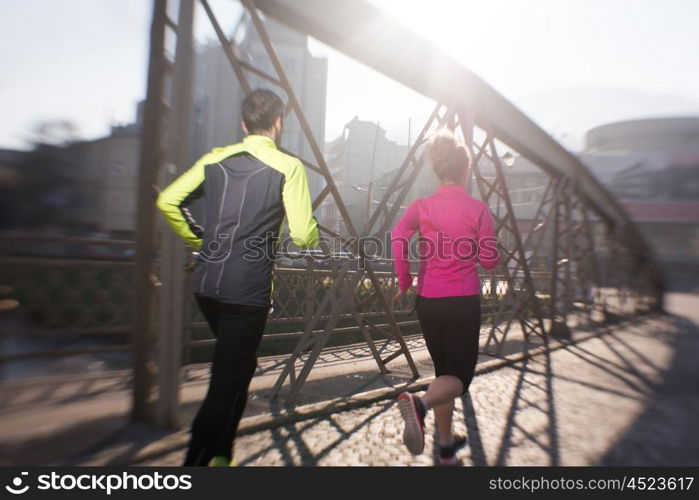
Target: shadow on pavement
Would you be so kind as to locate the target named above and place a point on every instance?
(665, 433)
(282, 435)
(473, 433)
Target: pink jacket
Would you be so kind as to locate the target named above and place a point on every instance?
(456, 232)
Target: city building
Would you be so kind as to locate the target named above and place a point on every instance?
(218, 95)
(101, 176)
(360, 160)
(652, 168)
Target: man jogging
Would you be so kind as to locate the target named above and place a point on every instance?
(247, 189)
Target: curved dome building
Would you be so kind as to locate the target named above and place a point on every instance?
(652, 167)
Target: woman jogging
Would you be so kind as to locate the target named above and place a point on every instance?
(456, 233)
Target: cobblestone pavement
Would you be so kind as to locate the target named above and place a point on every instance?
(624, 398)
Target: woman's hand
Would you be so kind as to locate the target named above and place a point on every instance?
(399, 296)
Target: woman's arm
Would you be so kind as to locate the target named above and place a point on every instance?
(400, 244)
(488, 253)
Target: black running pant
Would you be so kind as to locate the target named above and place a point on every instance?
(238, 330)
(451, 327)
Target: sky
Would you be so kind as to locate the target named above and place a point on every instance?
(568, 64)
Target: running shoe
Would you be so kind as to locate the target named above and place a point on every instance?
(414, 416)
(447, 454)
(221, 461)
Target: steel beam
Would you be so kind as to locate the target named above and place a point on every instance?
(173, 255)
(366, 34)
(143, 335)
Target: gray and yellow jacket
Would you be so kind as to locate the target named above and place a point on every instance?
(248, 188)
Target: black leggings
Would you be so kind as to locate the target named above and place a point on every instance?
(451, 327)
(238, 330)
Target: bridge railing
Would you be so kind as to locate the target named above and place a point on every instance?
(70, 287)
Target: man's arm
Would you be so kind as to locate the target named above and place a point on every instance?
(174, 200)
(296, 196)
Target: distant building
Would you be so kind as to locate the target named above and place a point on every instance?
(80, 187)
(114, 162)
(359, 159)
(652, 167)
(218, 94)
(9, 182)
(103, 173)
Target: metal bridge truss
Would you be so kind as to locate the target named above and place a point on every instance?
(596, 264)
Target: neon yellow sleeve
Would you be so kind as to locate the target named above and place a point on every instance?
(174, 199)
(303, 227)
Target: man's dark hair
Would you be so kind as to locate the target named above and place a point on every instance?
(261, 108)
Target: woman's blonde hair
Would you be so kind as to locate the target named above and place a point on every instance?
(449, 157)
